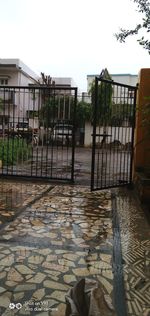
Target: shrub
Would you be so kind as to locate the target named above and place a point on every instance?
(14, 150)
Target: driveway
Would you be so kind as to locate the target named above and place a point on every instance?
(49, 243)
(111, 166)
(52, 236)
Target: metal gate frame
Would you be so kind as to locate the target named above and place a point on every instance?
(52, 159)
(120, 93)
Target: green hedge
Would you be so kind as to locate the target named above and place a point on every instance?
(14, 150)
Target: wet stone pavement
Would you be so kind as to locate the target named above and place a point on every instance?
(63, 236)
(14, 197)
(52, 236)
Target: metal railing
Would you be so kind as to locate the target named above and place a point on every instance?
(113, 134)
(29, 145)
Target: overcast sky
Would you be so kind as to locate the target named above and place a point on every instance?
(67, 38)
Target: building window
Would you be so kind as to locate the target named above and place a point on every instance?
(4, 82)
(131, 93)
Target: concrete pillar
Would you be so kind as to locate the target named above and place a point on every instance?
(142, 142)
(141, 167)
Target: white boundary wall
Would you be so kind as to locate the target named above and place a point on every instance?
(122, 134)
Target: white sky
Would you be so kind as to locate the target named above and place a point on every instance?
(67, 38)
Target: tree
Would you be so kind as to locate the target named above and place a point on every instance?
(144, 8)
(61, 109)
(122, 112)
(104, 97)
(83, 113)
(48, 112)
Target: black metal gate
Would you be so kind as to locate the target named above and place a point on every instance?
(37, 131)
(113, 134)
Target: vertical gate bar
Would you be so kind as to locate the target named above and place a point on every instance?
(129, 148)
(113, 149)
(128, 154)
(38, 135)
(98, 158)
(106, 118)
(3, 132)
(11, 139)
(9, 136)
(37, 148)
(133, 131)
(47, 142)
(119, 131)
(52, 145)
(123, 135)
(44, 148)
(3, 90)
(95, 105)
(106, 164)
(23, 138)
(30, 94)
(12, 125)
(33, 142)
(44, 100)
(73, 134)
(110, 180)
(130, 123)
(15, 118)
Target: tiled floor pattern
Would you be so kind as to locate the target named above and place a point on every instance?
(62, 237)
(14, 196)
(135, 237)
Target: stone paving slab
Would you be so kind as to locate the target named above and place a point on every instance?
(64, 236)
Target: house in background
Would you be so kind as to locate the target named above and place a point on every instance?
(19, 105)
(13, 104)
(128, 79)
(64, 82)
(14, 72)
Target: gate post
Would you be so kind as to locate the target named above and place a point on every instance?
(141, 166)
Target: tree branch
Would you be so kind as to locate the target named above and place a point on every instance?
(143, 7)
